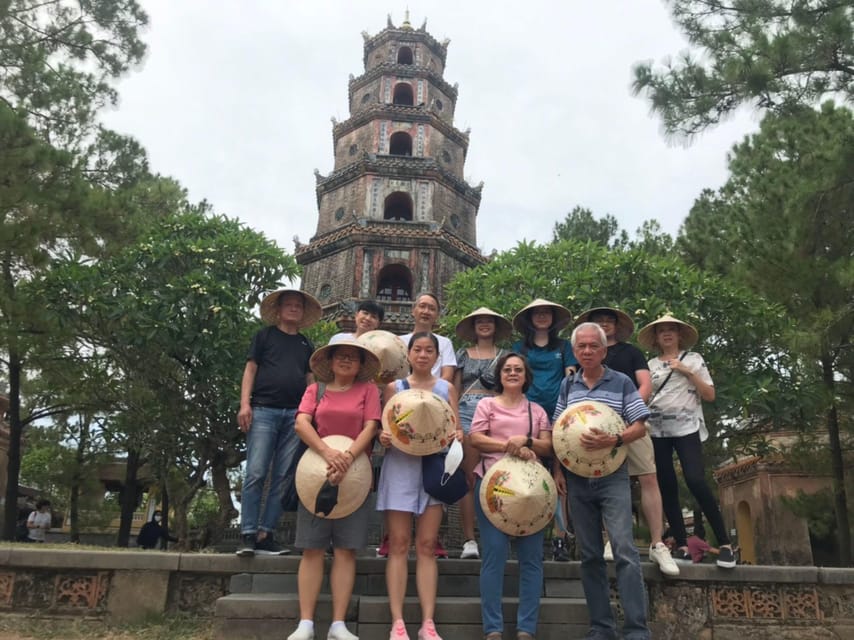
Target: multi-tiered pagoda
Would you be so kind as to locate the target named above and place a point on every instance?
(396, 217)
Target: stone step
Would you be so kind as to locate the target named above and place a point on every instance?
(459, 578)
(374, 585)
(275, 615)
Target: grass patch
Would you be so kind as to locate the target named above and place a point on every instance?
(161, 627)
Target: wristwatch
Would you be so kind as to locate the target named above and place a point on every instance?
(529, 443)
(619, 441)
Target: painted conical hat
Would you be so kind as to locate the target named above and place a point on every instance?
(420, 422)
(353, 490)
(518, 496)
(390, 350)
(566, 439)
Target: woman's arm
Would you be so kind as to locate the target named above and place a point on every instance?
(705, 390)
(453, 400)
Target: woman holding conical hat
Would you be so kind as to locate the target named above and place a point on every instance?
(501, 426)
(475, 379)
(343, 402)
(401, 495)
(680, 382)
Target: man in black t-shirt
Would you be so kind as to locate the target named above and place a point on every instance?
(276, 375)
(628, 359)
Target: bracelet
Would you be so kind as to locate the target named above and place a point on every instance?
(351, 454)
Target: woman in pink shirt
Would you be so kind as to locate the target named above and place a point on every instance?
(348, 405)
(501, 426)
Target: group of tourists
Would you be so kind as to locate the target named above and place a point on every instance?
(500, 404)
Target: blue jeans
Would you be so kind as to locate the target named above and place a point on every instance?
(271, 438)
(608, 499)
(494, 549)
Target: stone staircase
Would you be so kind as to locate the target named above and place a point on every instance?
(263, 602)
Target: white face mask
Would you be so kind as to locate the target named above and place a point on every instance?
(158, 518)
(454, 457)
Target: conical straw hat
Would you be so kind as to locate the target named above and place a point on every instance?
(270, 308)
(566, 439)
(390, 350)
(688, 335)
(561, 316)
(625, 326)
(321, 365)
(353, 489)
(518, 496)
(420, 422)
(465, 327)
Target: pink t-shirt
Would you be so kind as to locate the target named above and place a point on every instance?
(697, 547)
(342, 413)
(501, 423)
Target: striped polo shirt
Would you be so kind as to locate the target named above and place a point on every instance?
(614, 389)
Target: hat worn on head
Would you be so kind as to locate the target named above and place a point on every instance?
(391, 351)
(562, 316)
(420, 422)
(625, 325)
(576, 419)
(518, 496)
(321, 361)
(465, 327)
(322, 498)
(688, 335)
(270, 308)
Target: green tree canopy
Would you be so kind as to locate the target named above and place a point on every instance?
(169, 319)
(771, 54)
(740, 333)
(581, 225)
(782, 224)
(58, 57)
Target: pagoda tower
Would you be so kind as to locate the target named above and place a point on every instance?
(395, 216)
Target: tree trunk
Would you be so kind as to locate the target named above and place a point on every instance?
(79, 460)
(16, 429)
(127, 499)
(227, 512)
(164, 514)
(837, 465)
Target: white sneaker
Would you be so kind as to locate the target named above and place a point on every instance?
(660, 555)
(340, 633)
(608, 554)
(470, 550)
(302, 634)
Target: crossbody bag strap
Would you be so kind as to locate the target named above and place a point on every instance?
(655, 393)
(488, 367)
(321, 390)
(530, 420)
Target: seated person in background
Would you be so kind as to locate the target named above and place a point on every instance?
(152, 532)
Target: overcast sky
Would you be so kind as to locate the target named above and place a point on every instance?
(235, 97)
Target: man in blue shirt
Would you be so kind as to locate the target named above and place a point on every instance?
(608, 498)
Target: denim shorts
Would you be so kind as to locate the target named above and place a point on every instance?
(467, 404)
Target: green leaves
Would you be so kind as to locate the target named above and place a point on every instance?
(57, 58)
(771, 54)
(740, 332)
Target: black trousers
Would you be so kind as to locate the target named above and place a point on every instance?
(690, 452)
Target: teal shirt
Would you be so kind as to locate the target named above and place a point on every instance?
(549, 369)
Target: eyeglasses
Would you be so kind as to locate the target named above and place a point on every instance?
(513, 370)
(352, 357)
